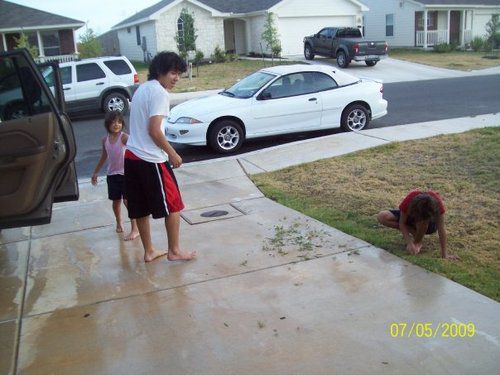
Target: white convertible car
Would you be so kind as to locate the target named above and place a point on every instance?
(278, 100)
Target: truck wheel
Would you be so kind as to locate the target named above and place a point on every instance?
(371, 62)
(115, 102)
(342, 61)
(355, 117)
(308, 52)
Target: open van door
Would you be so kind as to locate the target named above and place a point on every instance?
(37, 144)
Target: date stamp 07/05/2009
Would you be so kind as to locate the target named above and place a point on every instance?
(432, 330)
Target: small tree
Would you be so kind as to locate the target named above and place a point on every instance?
(185, 36)
(197, 60)
(493, 30)
(271, 37)
(23, 42)
(89, 44)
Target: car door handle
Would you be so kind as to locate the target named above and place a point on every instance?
(67, 88)
(100, 83)
(313, 99)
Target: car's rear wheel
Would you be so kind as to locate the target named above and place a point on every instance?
(355, 117)
(115, 102)
(226, 136)
(308, 52)
(371, 62)
(342, 60)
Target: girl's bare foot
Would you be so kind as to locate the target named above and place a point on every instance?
(152, 255)
(131, 236)
(119, 228)
(181, 255)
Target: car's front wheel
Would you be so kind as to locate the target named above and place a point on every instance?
(308, 52)
(355, 117)
(115, 102)
(371, 62)
(226, 136)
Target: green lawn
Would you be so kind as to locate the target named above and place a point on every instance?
(347, 192)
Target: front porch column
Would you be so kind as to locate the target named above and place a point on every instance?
(40, 44)
(448, 28)
(4, 41)
(462, 29)
(247, 37)
(74, 42)
(425, 29)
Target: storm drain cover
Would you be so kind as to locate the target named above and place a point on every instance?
(206, 214)
(214, 213)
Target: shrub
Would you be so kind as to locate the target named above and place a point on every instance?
(219, 55)
(444, 48)
(232, 57)
(477, 44)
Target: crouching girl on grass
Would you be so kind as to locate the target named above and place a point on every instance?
(420, 213)
(113, 150)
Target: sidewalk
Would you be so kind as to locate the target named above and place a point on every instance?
(84, 302)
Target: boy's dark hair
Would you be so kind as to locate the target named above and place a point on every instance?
(423, 207)
(112, 117)
(165, 62)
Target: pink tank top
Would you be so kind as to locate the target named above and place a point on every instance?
(116, 153)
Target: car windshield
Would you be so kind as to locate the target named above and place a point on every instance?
(248, 86)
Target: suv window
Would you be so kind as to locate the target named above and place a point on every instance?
(87, 72)
(119, 67)
(65, 75)
(20, 93)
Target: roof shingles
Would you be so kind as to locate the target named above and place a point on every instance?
(15, 16)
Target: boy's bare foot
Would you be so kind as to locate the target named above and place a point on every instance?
(181, 255)
(152, 255)
(131, 236)
(119, 228)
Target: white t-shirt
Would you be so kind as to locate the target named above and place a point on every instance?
(150, 99)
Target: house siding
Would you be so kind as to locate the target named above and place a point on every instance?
(481, 18)
(128, 41)
(404, 21)
(210, 30)
(254, 30)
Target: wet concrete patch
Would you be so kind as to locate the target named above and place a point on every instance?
(8, 334)
(13, 261)
(306, 317)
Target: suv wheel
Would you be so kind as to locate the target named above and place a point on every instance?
(115, 102)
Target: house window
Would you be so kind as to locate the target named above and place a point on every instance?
(50, 40)
(431, 20)
(180, 31)
(389, 25)
(138, 35)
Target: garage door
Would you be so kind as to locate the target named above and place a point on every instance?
(293, 30)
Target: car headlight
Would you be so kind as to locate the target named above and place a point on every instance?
(187, 120)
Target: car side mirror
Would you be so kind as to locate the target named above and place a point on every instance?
(265, 95)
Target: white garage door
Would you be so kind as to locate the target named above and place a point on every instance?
(293, 30)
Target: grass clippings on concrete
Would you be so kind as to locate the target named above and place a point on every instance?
(347, 192)
(459, 60)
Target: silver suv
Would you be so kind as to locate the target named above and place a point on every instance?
(106, 83)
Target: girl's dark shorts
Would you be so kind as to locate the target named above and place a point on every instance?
(116, 187)
(431, 228)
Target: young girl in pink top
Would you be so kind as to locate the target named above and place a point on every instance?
(113, 150)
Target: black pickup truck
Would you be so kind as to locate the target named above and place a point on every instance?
(345, 44)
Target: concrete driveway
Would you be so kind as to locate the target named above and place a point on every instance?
(391, 70)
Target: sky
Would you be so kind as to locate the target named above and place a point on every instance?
(100, 15)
